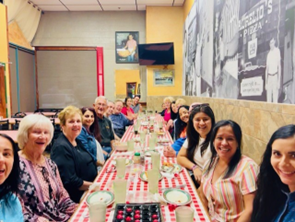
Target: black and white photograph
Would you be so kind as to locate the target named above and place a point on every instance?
(261, 49)
(288, 87)
(189, 51)
(226, 42)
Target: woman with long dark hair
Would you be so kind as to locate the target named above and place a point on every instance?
(127, 109)
(229, 180)
(275, 198)
(195, 151)
(180, 132)
(90, 135)
(10, 207)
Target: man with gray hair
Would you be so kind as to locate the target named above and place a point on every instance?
(105, 125)
(119, 120)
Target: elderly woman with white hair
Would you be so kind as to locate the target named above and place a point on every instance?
(40, 189)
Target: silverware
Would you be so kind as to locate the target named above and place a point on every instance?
(177, 186)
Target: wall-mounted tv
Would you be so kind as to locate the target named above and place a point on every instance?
(156, 54)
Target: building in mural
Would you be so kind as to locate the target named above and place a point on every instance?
(240, 50)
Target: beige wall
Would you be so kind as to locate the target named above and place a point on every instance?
(92, 29)
(258, 119)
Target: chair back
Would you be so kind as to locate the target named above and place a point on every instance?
(16, 124)
(4, 124)
(19, 115)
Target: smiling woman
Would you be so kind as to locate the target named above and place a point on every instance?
(41, 189)
(275, 199)
(229, 180)
(10, 206)
(76, 165)
(195, 151)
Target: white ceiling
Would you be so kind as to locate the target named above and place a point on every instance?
(102, 5)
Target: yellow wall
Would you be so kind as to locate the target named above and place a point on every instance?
(187, 7)
(163, 25)
(3, 35)
(124, 76)
(4, 49)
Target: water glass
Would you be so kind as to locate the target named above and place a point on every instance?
(120, 189)
(97, 212)
(156, 158)
(142, 137)
(152, 143)
(153, 181)
(130, 145)
(184, 214)
(121, 167)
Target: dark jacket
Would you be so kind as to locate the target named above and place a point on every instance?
(75, 165)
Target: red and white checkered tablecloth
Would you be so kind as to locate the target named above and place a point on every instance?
(139, 187)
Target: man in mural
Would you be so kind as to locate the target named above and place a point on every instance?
(273, 72)
(226, 77)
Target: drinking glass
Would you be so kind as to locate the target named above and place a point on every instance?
(160, 124)
(121, 167)
(130, 145)
(136, 129)
(155, 160)
(97, 212)
(152, 144)
(153, 181)
(184, 214)
(120, 189)
(142, 137)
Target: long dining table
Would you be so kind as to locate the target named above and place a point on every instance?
(137, 189)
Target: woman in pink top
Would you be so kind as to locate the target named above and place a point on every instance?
(127, 110)
(167, 114)
(229, 180)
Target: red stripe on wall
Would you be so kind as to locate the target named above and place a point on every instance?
(100, 71)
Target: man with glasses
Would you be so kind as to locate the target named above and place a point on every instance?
(105, 125)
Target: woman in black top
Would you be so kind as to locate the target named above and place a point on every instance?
(76, 166)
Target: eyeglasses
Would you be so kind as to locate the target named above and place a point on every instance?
(199, 105)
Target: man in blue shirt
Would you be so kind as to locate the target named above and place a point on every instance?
(119, 120)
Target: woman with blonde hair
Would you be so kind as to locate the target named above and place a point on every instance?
(76, 165)
(41, 190)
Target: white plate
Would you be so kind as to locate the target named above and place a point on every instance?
(177, 196)
(143, 176)
(101, 196)
(149, 153)
(128, 162)
(144, 123)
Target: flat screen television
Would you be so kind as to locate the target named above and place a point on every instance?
(156, 54)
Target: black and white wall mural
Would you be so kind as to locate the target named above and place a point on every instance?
(240, 50)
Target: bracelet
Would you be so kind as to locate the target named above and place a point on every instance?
(194, 167)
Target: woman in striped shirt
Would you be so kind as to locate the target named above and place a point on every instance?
(229, 181)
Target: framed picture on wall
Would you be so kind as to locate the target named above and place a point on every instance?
(126, 47)
(164, 77)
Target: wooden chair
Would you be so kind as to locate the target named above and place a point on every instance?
(4, 124)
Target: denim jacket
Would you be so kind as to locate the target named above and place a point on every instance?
(12, 212)
(88, 142)
(288, 211)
